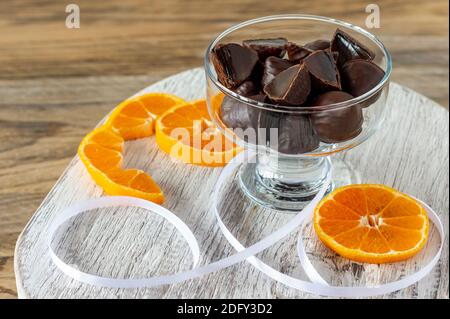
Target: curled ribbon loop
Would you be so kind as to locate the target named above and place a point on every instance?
(317, 285)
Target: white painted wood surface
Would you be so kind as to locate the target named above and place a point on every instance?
(409, 153)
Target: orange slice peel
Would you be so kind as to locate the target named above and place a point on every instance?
(186, 132)
(101, 151)
(135, 118)
(371, 223)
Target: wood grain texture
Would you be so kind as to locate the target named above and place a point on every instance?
(410, 153)
(56, 83)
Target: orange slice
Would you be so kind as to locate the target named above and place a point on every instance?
(132, 182)
(135, 118)
(101, 153)
(201, 143)
(131, 120)
(371, 223)
(187, 132)
(101, 150)
(158, 103)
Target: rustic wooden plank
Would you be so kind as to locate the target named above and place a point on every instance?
(410, 152)
(139, 37)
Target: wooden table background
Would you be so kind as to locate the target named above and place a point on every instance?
(57, 83)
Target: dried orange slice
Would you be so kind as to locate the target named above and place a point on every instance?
(135, 118)
(371, 223)
(101, 153)
(187, 132)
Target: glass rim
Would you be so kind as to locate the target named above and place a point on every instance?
(297, 109)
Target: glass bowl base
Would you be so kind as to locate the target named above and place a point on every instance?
(291, 197)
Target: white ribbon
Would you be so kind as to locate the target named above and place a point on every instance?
(115, 201)
(317, 285)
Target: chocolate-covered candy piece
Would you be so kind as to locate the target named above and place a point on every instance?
(257, 73)
(331, 97)
(295, 133)
(267, 47)
(233, 63)
(272, 67)
(318, 45)
(235, 114)
(296, 52)
(241, 117)
(290, 87)
(335, 56)
(341, 124)
(323, 69)
(360, 76)
(349, 48)
(247, 88)
(262, 98)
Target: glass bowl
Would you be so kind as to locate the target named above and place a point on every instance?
(294, 143)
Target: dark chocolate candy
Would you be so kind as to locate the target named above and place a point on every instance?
(297, 135)
(294, 133)
(267, 47)
(318, 45)
(290, 87)
(331, 97)
(342, 124)
(247, 88)
(335, 56)
(296, 52)
(349, 48)
(272, 67)
(262, 98)
(235, 114)
(324, 72)
(233, 63)
(241, 117)
(360, 76)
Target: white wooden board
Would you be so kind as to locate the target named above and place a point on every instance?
(409, 153)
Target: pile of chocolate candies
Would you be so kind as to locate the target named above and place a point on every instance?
(282, 73)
